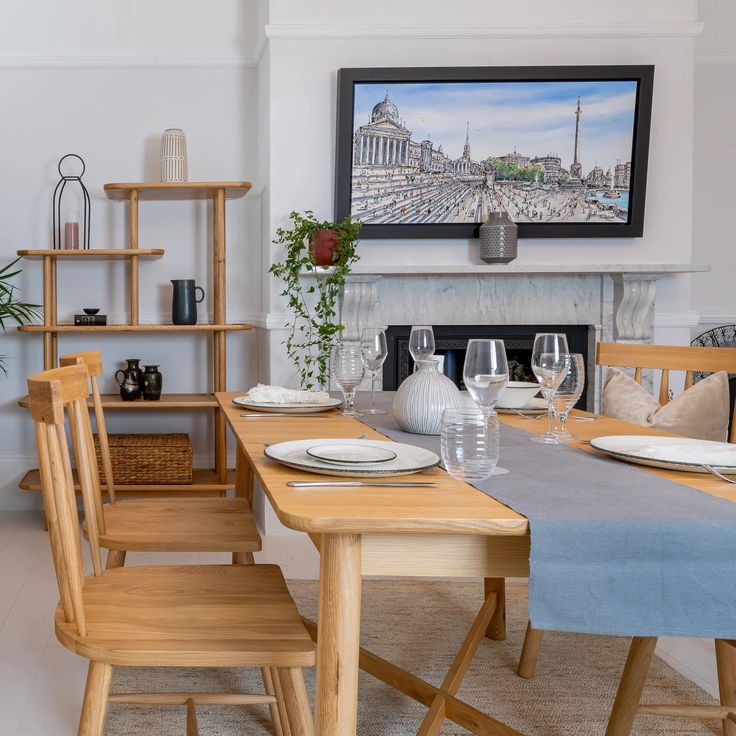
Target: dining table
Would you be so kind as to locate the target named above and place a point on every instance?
(451, 530)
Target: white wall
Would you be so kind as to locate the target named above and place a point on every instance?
(308, 46)
(113, 114)
(715, 160)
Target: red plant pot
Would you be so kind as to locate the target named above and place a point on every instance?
(323, 247)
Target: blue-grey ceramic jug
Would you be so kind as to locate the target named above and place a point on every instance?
(184, 302)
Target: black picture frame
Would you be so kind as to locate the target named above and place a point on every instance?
(633, 227)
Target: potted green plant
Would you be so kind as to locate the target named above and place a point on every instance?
(310, 242)
(11, 307)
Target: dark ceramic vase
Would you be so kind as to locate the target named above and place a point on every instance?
(130, 385)
(152, 383)
(184, 301)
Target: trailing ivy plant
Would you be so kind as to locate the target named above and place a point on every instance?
(11, 307)
(313, 302)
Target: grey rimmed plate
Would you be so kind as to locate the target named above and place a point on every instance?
(408, 460)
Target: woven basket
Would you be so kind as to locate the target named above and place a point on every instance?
(148, 458)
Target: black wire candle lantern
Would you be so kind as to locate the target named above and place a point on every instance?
(58, 195)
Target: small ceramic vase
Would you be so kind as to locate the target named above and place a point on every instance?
(130, 387)
(174, 155)
(152, 383)
(422, 398)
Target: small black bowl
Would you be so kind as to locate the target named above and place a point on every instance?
(91, 310)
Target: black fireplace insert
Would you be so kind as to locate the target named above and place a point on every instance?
(451, 342)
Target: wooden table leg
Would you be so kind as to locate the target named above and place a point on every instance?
(529, 652)
(338, 640)
(726, 663)
(632, 682)
(497, 627)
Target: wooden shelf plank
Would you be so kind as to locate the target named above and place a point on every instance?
(92, 253)
(179, 190)
(167, 401)
(133, 328)
(204, 480)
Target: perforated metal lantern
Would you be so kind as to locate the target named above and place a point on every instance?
(498, 238)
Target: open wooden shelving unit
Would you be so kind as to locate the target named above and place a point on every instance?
(215, 480)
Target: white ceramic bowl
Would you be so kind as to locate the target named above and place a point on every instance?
(517, 394)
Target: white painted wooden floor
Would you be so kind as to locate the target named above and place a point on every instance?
(41, 683)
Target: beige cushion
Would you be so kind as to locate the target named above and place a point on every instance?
(700, 412)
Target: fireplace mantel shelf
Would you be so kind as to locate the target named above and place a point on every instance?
(364, 269)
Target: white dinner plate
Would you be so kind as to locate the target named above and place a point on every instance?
(352, 454)
(409, 459)
(287, 408)
(643, 450)
(533, 407)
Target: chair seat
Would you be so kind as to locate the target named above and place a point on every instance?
(190, 616)
(180, 525)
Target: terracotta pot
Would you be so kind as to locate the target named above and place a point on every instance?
(323, 246)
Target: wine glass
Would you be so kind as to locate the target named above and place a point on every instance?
(567, 395)
(373, 351)
(348, 371)
(485, 374)
(550, 363)
(421, 342)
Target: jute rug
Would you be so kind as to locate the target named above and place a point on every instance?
(419, 626)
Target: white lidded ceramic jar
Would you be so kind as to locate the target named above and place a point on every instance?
(422, 398)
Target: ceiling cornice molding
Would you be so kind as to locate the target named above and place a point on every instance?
(566, 30)
(133, 61)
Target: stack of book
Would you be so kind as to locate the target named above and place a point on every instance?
(90, 319)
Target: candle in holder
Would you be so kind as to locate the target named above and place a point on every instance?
(71, 233)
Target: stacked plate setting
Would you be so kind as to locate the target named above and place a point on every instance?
(346, 457)
(287, 408)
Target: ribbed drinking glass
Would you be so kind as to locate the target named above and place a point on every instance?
(470, 444)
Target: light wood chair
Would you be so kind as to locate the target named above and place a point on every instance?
(664, 358)
(162, 616)
(165, 524)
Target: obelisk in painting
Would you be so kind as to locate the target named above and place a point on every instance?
(576, 169)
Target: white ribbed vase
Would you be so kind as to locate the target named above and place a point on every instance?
(174, 155)
(422, 398)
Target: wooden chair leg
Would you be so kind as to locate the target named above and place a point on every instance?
(115, 558)
(94, 705)
(726, 663)
(280, 702)
(632, 682)
(296, 701)
(243, 558)
(529, 652)
(273, 708)
(192, 726)
(497, 627)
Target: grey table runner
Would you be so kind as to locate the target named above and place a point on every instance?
(614, 550)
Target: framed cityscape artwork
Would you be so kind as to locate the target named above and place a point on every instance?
(430, 152)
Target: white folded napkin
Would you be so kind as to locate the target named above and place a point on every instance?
(723, 455)
(263, 394)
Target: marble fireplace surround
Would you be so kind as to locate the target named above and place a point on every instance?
(617, 299)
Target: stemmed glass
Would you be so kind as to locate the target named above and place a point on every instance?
(567, 395)
(550, 363)
(421, 342)
(486, 373)
(348, 370)
(373, 351)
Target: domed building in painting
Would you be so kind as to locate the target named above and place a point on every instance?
(385, 142)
